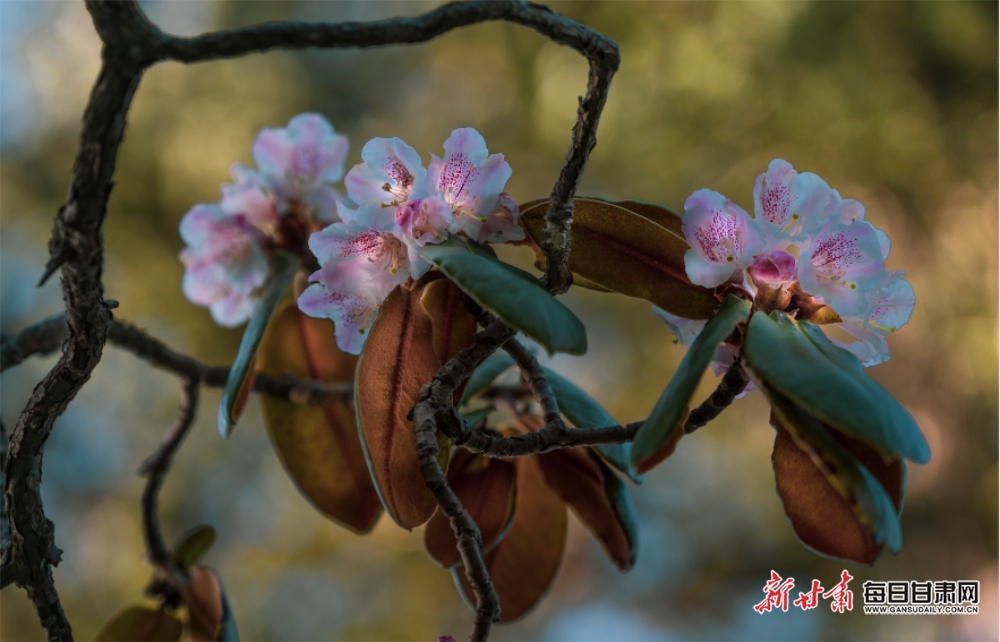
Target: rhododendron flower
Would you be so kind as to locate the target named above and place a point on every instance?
(843, 265)
(723, 238)
(788, 204)
(225, 264)
(470, 181)
(274, 206)
(390, 171)
(838, 277)
(684, 329)
(503, 224)
(892, 311)
(360, 266)
(301, 161)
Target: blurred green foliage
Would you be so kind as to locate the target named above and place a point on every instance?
(894, 104)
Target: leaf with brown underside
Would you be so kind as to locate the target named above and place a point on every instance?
(140, 624)
(631, 248)
(203, 598)
(318, 445)
(486, 487)
(453, 325)
(397, 360)
(582, 481)
(524, 564)
(829, 507)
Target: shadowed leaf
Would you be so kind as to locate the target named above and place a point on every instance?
(453, 325)
(237, 385)
(140, 624)
(473, 417)
(318, 445)
(799, 362)
(204, 600)
(512, 294)
(838, 506)
(485, 374)
(665, 424)
(192, 545)
(583, 481)
(631, 248)
(524, 564)
(487, 489)
(583, 412)
(398, 358)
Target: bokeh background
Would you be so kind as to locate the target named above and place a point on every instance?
(894, 104)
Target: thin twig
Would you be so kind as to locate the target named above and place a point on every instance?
(46, 336)
(154, 469)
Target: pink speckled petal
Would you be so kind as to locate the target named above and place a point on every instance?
(352, 316)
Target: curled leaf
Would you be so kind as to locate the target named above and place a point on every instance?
(192, 545)
(318, 445)
(487, 489)
(598, 497)
(659, 434)
(632, 248)
(237, 387)
(512, 294)
(397, 360)
(583, 412)
(524, 564)
(838, 506)
(798, 361)
(140, 624)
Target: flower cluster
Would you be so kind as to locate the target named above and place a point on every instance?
(399, 207)
(806, 248)
(274, 206)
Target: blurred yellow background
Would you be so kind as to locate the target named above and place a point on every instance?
(894, 104)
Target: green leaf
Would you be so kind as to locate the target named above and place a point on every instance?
(192, 545)
(285, 266)
(583, 412)
(512, 294)
(839, 508)
(798, 361)
(633, 248)
(665, 424)
(485, 374)
(139, 623)
(473, 417)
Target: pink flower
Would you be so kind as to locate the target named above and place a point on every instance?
(360, 266)
(686, 330)
(843, 266)
(790, 205)
(390, 171)
(352, 316)
(723, 238)
(470, 181)
(503, 224)
(301, 162)
(225, 264)
(892, 311)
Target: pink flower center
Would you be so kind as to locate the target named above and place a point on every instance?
(402, 178)
(721, 239)
(456, 176)
(834, 254)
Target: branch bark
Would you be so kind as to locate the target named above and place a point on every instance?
(47, 335)
(434, 408)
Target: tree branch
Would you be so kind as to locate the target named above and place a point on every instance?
(154, 469)
(435, 407)
(46, 336)
(733, 383)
